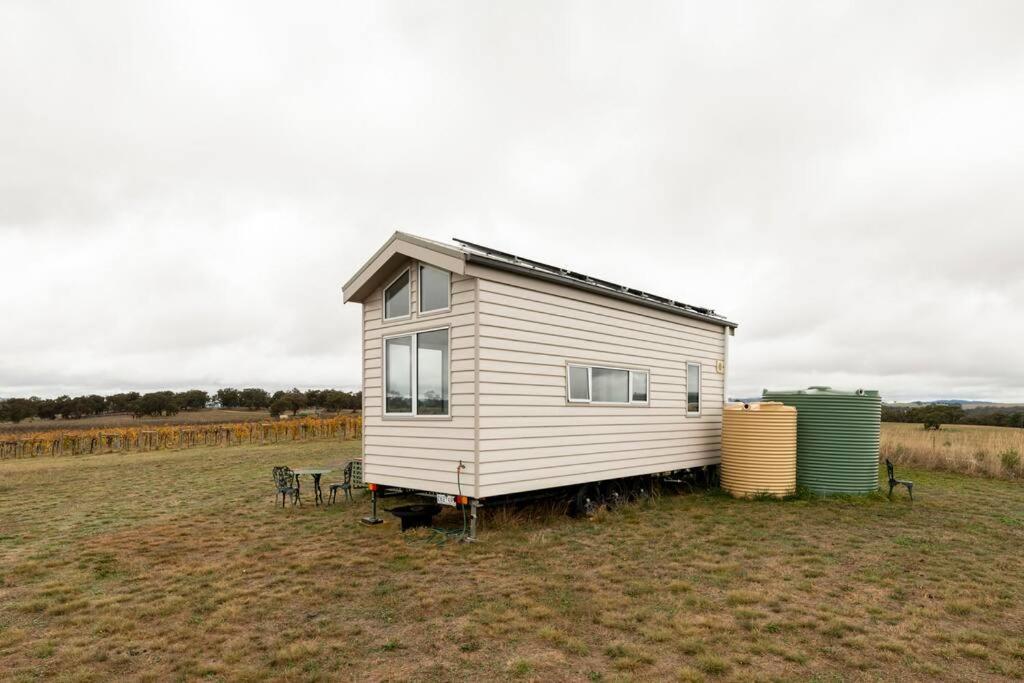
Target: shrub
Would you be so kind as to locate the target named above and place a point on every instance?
(1011, 461)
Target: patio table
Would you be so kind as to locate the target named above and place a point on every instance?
(316, 473)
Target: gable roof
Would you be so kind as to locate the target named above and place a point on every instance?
(455, 257)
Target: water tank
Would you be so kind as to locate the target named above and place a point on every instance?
(837, 438)
(759, 449)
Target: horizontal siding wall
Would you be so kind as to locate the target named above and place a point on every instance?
(532, 438)
(421, 453)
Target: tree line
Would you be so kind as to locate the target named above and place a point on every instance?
(164, 403)
(934, 415)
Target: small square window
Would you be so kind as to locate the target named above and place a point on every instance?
(579, 383)
(435, 287)
(609, 385)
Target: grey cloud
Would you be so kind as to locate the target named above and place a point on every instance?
(184, 188)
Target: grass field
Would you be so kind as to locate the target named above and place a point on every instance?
(177, 565)
(970, 449)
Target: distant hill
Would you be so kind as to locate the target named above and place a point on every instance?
(969, 405)
(966, 404)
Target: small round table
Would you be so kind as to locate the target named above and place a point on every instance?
(316, 473)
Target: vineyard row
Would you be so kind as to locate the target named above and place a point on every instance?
(129, 439)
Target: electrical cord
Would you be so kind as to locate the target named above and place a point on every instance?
(439, 536)
(458, 482)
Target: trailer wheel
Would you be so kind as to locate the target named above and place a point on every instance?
(645, 488)
(588, 501)
(616, 493)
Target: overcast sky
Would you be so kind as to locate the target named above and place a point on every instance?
(184, 187)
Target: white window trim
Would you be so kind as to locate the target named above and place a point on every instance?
(419, 290)
(384, 297)
(700, 389)
(590, 386)
(413, 383)
(568, 383)
(647, 393)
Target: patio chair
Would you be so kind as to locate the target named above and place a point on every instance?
(284, 479)
(345, 486)
(894, 482)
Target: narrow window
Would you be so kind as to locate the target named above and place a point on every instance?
(396, 297)
(609, 385)
(579, 383)
(398, 375)
(638, 386)
(432, 373)
(693, 389)
(435, 287)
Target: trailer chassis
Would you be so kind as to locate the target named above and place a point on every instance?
(584, 499)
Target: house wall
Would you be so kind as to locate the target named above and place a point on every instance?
(531, 437)
(423, 452)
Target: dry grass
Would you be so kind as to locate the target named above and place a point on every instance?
(177, 565)
(968, 449)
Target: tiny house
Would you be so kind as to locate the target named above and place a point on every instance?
(487, 374)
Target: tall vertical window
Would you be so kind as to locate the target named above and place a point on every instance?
(432, 373)
(638, 382)
(596, 384)
(416, 367)
(398, 375)
(693, 389)
(396, 297)
(435, 288)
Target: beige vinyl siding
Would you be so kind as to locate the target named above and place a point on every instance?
(421, 453)
(531, 437)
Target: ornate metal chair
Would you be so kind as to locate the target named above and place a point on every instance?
(284, 479)
(894, 482)
(345, 486)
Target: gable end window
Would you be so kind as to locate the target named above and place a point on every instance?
(396, 297)
(435, 289)
(600, 384)
(416, 377)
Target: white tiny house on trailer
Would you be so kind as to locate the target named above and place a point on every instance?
(487, 374)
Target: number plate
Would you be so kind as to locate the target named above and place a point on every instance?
(445, 499)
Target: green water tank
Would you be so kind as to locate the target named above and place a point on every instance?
(837, 438)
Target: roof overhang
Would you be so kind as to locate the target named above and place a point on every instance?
(397, 250)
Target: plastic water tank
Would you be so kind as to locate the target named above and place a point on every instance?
(759, 449)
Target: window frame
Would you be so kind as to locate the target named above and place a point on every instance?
(384, 297)
(413, 380)
(590, 385)
(420, 265)
(700, 389)
(647, 388)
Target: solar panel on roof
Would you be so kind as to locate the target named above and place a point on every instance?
(564, 273)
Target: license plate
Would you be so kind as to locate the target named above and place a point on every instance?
(445, 499)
